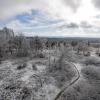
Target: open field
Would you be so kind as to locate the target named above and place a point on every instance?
(49, 49)
(43, 69)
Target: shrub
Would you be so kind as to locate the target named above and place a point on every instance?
(34, 67)
(92, 61)
(22, 66)
(87, 54)
(12, 85)
(91, 73)
(25, 93)
(39, 55)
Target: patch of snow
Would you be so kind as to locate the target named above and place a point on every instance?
(41, 68)
(79, 66)
(27, 75)
(51, 91)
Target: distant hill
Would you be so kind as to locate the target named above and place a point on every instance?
(92, 40)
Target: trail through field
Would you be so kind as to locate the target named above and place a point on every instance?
(50, 90)
(78, 68)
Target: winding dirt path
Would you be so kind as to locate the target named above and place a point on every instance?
(70, 84)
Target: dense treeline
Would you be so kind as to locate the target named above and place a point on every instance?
(21, 46)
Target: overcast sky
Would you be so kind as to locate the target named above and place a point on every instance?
(72, 18)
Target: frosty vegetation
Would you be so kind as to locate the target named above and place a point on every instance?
(38, 68)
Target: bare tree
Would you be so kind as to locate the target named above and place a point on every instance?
(74, 44)
(22, 45)
(36, 45)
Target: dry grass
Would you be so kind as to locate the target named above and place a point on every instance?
(92, 61)
(91, 73)
(62, 72)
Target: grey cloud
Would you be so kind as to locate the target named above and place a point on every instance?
(85, 24)
(70, 25)
(96, 3)
(97, 16)
(73, 4)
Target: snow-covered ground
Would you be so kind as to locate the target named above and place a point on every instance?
(34, 78)
(29, 76)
